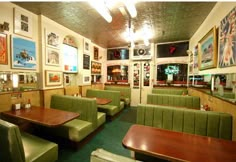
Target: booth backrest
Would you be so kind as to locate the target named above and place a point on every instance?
(124, 91)
(205, 123)
(113, 95)
(192, 102)
(86, 107)
(11, 143)
(170, 91)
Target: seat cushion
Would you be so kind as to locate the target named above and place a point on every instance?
(122, 105)
(38, 150)
(101, 118)
(108, 109)
(101, 155)
(75, 130)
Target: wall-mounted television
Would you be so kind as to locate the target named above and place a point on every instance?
(70, 63)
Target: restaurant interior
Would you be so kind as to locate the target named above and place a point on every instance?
(117, 81)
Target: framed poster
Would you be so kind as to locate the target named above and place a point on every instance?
(53, 78)
(23, 23)
(52, 39)
(146, 74)
(87, 46)
(86, 62)
(52, 56)
(208, 50)
(195, 60)
(136, 74)
(23, 53)
(95, 53)
(96, 67)
(70, 55)
(227, 40)
(3, 49)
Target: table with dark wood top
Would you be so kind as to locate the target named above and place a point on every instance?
(43, 116)
(101, 101)
(178, 146)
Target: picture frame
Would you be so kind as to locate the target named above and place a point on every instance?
(207, 50)
(86, 62)
(53, 78)
(96, 67)
(227, 39)
(23, 22)
(87, 46)
(195, 60)
(95, 53)
(86, 79)
(3, 49)
(52, 56)
(52, 39)
(23, 53)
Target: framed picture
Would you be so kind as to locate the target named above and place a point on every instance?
(52, 56)
(208, 50)
(3, 49)
(52, 39)
(95, 53)
(227, 40)
(53, 78)
(86, 79)
(86, 62)
(195, 60)
(87, 46)
(23, 53)
(96, 67)
(23, 23)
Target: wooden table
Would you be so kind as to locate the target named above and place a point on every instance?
(178, 146)
(43, 116)
(101, 101)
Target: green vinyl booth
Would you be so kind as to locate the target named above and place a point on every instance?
(17, 146)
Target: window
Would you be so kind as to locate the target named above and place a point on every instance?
(117, 73)
(118, 54)
(174, 74)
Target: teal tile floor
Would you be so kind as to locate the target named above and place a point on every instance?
(109, 138)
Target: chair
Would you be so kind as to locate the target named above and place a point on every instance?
(101, 155)
(16, 146)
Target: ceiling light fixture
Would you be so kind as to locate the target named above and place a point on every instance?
(101, 8)
(130, 5)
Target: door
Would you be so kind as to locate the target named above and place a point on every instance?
(141, 73)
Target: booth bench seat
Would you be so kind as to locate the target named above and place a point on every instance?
(79, 128)
(111, 108)
(19, 146)
(101, 155)
(192, 102)
(205, 123)
(170, 91)
(125, 93)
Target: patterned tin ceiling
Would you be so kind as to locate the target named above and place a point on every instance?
(170, 21)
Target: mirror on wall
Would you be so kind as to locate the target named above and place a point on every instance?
(18, 81)
(117, 73)
(224, 85)
(201, 81)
